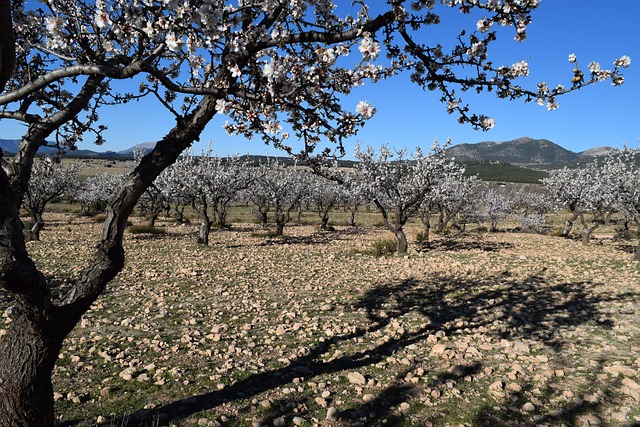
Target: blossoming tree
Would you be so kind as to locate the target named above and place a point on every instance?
(276, 68)
(48, 182)
(398, 183)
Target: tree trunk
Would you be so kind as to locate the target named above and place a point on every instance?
(38, 224)
(324, 219)
(153, 216)
(441, 224)
(569, 225)
(29, 352)
(403, 245)
(7, 44)
(636, 256)
(263, 215)
(587, 231)
(280, 223)
(352, 218)
(427, 227)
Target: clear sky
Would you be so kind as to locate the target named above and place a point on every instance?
(408, 117)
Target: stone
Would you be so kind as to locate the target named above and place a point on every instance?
(521, 347)
(299, 421)
(620, 370)
(368, 398)
(333, 414)
(515, 387)
(528, 407)
(356, 378)
(438, 349)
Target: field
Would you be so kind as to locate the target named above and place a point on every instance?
(481, 329)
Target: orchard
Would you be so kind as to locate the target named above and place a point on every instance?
(278, 70)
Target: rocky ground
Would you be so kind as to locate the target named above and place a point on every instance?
(495, 329)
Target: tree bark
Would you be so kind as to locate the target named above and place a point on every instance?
(7, 44)
(29, 350)
(403, 245)
(586, 230)
(636, 256)
(352, 217)
(568, 226)
(38, 224)
(281, 221)
(324, 221)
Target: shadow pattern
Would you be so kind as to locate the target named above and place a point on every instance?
(528, 308)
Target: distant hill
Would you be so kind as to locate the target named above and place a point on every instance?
(597, 152)
(522, 151)
(10, 146)
(503, 172)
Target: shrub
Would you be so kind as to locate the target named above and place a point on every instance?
(384, 247)
(146, 229)
(422, 237)
(98, 218)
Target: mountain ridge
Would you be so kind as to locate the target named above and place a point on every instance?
(523, 151)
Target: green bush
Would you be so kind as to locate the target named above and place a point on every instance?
(146, 229)
(384, 247)
(422, 237)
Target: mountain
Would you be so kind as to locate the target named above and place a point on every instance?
(523, 151)
(597, 152)
(10, 146)
(144, 147)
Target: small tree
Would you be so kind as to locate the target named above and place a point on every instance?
(96, 192)
(621, 168)
(587, 192)
(49, 182)
(495, 206)
(398, 183)
(281, 189)
(324, 195)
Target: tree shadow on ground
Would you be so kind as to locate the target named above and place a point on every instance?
(529, 309)
(587, 408)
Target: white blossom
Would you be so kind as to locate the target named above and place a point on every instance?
(365, 109)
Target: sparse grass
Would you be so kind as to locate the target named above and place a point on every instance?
(382, 247)
(256, 329)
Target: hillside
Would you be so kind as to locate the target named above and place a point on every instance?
(503, 172)
(523, 151)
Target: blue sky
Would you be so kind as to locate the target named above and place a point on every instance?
(408, 117)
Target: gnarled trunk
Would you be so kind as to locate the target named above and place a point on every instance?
(403, 245)
(568, 226)
(29, 352)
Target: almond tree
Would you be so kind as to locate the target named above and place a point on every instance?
(494, 206)
(397, 184)
(49, 181)
(588, 193)
(353, 195)
(95, 192)
(450, 197)
(324, 195)
(263, 63)
(282, 189)
(621, 168)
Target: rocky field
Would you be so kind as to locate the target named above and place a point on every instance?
(481, 329)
